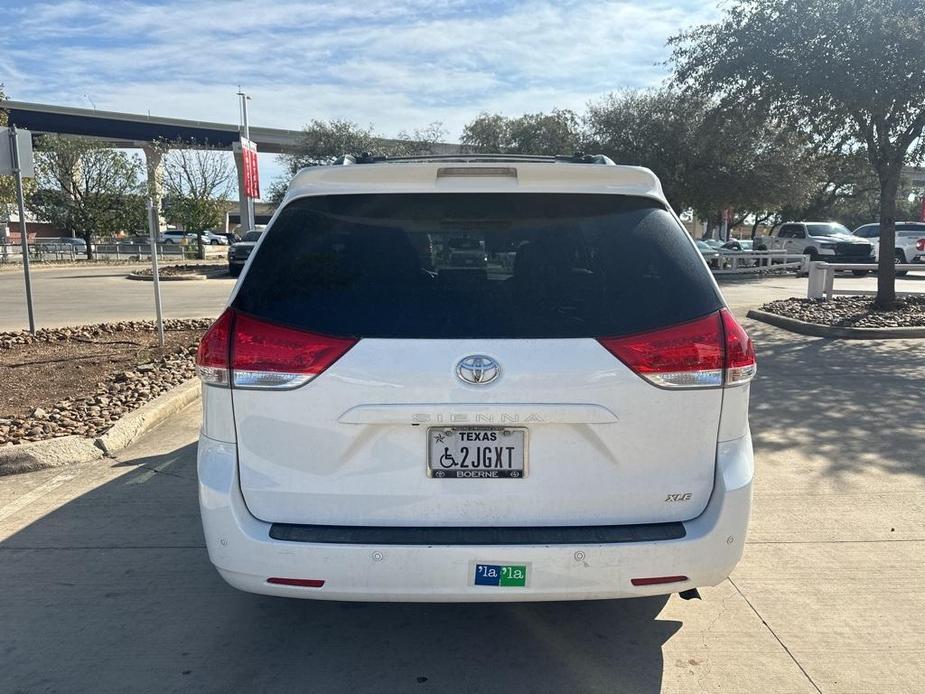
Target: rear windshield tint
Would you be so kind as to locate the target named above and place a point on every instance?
(473, 265)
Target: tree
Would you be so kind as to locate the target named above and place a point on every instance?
(322, 142)
(197, 183)
(557, 132)
(87, 189)
(832, 68)
(706, 159)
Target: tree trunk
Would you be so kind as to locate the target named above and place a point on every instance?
(886, 270)
(86, 237)
(200, 249)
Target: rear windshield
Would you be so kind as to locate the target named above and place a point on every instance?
(476, 266)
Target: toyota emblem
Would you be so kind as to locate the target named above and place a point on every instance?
(478, 369)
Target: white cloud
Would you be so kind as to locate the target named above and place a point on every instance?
(397, 64)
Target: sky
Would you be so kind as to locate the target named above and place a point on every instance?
(394, 64)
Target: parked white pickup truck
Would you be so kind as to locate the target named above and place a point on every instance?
(820, 241)
(910, 241)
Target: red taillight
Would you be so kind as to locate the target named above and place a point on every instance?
(257, 354)
(301, 582)
(657, 580)
(920, 245)
(740, 361)
(704, 353)
(213, 358)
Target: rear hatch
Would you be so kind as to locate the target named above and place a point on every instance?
(361, 339)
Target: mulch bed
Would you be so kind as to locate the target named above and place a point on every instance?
(175, 270)
(852, 312)
(81, 380)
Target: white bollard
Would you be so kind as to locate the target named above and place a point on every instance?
(815, 286)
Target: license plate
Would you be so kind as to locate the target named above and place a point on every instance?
(477, 453)
(501, 575)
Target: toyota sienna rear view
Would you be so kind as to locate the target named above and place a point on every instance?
(475, 379)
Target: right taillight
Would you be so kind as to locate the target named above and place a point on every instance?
(247, 352)
(740, 363)
(705, 353)
(920, 245)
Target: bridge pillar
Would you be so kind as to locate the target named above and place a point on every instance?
(154, 163)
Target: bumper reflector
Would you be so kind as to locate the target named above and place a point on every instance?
(301, 582)
(657, 580)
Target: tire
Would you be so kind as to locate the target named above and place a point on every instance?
(234, 270)
(859, 273)
(900, 259)
(213, 242)
(761, 248)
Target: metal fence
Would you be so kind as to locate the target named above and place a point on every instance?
(48, 253)
(821, 284)
(757, 262)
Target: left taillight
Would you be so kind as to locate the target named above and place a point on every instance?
(213, 358)
(247, 352)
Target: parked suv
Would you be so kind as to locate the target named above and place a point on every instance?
(381, 424)
(827, 241)
(240, 251)
(910, 241)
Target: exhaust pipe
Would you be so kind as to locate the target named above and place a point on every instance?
(690, 594)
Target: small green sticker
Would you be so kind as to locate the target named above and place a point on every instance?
(513, 576)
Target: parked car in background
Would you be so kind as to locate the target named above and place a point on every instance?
(734, 247)
(177, 236)
(738, 245)
(709, 253)
(828, 241)
(240, 251)
(209, 238)
(910, 241)
(213, 238)
(379, 424)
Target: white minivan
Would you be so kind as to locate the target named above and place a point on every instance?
(563, 417)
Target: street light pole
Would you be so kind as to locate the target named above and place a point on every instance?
(23, 234)
(249, 203)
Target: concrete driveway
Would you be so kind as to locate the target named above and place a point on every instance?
(107, 586)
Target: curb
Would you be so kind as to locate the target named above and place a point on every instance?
(833, 331)
(167, 278)
(40, 455)
(70, 450)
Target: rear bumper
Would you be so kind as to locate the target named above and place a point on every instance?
(245, 555)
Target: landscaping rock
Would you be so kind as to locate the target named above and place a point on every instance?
(851, 312)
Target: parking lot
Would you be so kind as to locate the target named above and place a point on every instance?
(107, 581)
(74, 295)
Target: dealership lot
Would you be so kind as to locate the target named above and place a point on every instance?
(107, 585)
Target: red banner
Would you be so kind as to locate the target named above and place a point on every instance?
(250, 174)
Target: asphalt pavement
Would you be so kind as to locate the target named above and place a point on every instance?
(107, 586)
(76, 295)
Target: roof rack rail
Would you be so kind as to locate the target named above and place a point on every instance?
(577, 158)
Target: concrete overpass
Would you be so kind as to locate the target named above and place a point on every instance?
(132, 130)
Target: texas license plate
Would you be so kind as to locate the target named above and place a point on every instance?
(477, 453)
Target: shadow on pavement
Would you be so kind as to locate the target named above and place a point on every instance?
(849, 404)
(114, 592)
